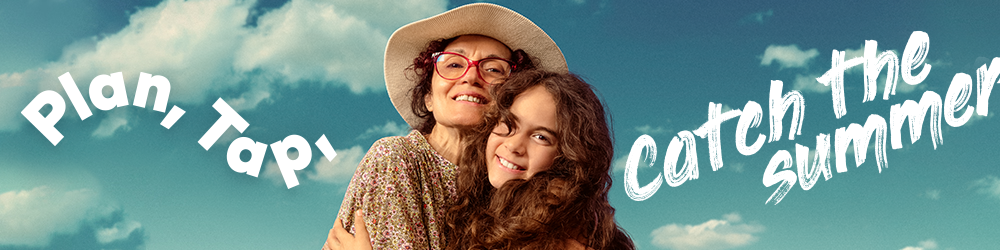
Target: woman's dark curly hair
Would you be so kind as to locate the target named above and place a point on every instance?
(423, 69)
(567, 201)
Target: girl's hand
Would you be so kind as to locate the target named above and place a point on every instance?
(340, 239)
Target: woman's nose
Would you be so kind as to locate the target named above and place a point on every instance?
(472, 76)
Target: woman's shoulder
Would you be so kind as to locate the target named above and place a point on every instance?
(392, 145)
(411, 150)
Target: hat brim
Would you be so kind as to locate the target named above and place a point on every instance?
(504, 25)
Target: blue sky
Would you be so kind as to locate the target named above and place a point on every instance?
(118, 179)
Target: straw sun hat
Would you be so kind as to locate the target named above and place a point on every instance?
(502, 24)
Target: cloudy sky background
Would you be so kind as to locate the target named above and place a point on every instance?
(120, 180)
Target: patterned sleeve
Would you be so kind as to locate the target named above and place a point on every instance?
(386, 188)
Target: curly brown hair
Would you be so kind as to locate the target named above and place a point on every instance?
(569, 201)
(423, 70)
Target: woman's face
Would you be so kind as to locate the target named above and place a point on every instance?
(461, 102)
(532, 146)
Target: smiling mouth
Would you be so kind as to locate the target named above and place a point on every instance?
(470, 98)
(507, 164)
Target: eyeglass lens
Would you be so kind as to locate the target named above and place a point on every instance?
(454, 66)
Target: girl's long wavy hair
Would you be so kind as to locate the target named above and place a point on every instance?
(568, 201)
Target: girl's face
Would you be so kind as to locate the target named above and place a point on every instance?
(462, 101)
(532, 146)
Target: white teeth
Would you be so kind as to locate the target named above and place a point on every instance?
(507, 164)
(468, 99)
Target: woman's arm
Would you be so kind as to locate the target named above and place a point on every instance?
(389, 189)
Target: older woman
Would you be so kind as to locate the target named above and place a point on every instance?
(437, 71)
(535, 174)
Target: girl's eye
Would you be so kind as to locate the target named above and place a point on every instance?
(544, 140)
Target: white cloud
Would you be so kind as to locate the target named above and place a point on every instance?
(341, 169)
(329, 41)
(650, 130)
(732, 217)
(229, 136)
(117, 119)
(118, 231)
(14, 96)
(928, 244)
(30, 217)
(759, 17)
(391, 128)
(738, 167)
(859, 52)
(933, 194)
(191, 43)
(205, 49)
(976, 117)
(787, 56)
(726, 233)
(306, 40)
(338, 171)
(901, 86)
(989, 185)
(618, 165)
(923, 245)
(259, 91)
(270, 171)
(726, 108)
(809, 84)
(387, 15)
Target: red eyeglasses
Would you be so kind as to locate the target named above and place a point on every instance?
(451, 66)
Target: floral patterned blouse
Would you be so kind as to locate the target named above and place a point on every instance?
(403, 187)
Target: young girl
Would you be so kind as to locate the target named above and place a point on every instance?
(535, 174)
(546, 150)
